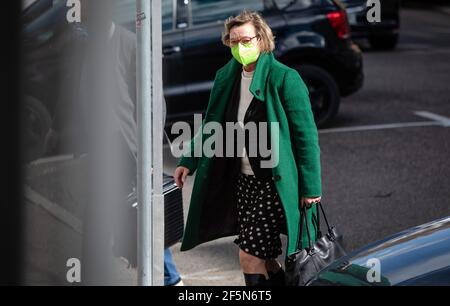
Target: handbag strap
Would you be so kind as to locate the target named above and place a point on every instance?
(324, 215)
(303, 216)
(300, 231)
(316, 222)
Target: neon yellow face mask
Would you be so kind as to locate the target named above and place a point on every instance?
(245, 54)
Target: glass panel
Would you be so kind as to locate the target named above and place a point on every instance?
(125, 14)
(79, 144)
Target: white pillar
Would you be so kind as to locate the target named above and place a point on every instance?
(150, 134)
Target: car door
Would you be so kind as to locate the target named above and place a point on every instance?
(173, 76)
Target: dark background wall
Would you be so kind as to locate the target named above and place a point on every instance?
(10, 226)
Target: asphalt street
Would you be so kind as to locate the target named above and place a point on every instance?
(384, 167)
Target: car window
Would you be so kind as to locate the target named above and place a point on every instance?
(207, 11)
(281, 4)
(56, 2)
(167, 15)
(299, 4)
(27, 3)
(125, 13)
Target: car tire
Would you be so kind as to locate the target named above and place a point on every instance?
(387, 42)
(36, 122)
(323, 93)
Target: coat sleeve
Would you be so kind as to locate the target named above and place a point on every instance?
(304, 134)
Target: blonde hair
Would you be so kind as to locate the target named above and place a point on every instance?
(263, 31)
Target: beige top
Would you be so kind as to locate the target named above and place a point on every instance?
(246, 98)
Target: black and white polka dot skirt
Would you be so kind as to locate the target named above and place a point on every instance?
(261, 217)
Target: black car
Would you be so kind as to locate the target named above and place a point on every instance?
(419, 256)
(312, 36)
(381, 35)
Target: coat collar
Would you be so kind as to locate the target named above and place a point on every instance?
(258, 86)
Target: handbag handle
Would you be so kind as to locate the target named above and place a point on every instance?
(316, 223)
(314, 220)
(300, 237)
(324, 215)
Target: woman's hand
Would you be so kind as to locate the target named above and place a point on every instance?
(307, 202)
(180, 176)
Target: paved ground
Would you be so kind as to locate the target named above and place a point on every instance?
(375, 181)
(378, 178)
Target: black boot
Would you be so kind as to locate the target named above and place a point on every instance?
(278, 278)
(256, 280)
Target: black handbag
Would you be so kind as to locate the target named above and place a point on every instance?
(125, 240)
(173, 211)
(303, 265)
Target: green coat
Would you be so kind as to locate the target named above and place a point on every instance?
(298, 171)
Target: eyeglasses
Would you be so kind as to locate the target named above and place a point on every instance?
(243, 40)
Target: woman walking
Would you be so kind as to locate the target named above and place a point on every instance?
(238, 196)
